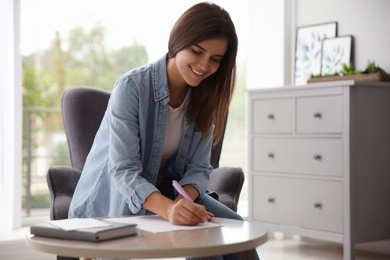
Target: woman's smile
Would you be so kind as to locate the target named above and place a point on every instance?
(197, 72)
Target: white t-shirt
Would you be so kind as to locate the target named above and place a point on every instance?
(173, 134)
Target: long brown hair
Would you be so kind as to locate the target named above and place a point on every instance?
(209, 101)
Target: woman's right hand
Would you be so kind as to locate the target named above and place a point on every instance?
(186, 213)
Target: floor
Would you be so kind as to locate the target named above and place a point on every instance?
(277, 248)
(298, 249)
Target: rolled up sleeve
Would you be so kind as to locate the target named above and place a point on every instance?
(126, 168)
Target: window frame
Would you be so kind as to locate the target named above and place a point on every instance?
(11, 115)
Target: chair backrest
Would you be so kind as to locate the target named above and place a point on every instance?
(83, 109)
(216, 151)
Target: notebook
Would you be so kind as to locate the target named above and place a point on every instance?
(104, 231)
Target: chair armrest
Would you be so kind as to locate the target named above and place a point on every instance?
(62, 181)
(227, 182)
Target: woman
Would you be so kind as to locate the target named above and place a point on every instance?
(161, 122)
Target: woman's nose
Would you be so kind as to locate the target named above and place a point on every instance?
(205, 64)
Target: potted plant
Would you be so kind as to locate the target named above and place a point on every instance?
(371, 73)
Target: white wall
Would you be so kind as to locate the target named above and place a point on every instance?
(266, 49)
(273, 28)
(368, 21)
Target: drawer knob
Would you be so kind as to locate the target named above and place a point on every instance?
(317, 115)
(271, 200)
(271, 155)
(318, 205)
(318, 157)
(271, 116)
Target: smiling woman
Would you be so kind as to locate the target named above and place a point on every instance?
(134, 157)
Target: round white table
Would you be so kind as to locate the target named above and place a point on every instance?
(232, 236)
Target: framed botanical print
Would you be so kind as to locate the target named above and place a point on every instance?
(335, 52)
(309, 50)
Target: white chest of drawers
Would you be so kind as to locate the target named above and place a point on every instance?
(319, 161)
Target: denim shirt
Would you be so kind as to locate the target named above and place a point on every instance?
(122, 167)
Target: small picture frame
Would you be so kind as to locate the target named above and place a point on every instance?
(336, 52)
(308, 49)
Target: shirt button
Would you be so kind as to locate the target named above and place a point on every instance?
(188, 136)
(181, 156)
(157, 95)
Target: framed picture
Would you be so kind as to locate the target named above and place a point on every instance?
(335, 52)
(309, 49)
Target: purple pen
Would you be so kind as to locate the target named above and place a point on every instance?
(179, 189)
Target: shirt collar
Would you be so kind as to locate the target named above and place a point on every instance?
(160, 79)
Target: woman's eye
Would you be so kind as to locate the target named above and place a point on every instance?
(196, 52)
(216, 60)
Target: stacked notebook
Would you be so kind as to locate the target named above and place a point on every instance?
(83, 229)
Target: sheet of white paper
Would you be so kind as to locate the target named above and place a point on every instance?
(156, 224)
(78, 223)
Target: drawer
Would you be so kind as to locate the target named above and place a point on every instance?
(317, 156)
(321, 114)
(273, 115)
(314, 204)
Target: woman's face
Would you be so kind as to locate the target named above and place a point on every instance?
(200, 60)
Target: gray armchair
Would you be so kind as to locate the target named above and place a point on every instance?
(82, 111)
